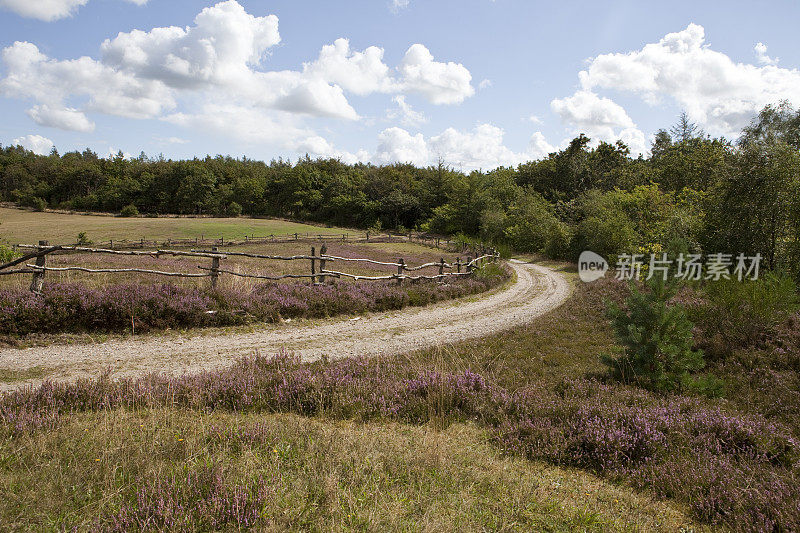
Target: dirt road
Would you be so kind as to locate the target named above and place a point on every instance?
(536, 290)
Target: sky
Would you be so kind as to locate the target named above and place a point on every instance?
(474, 83)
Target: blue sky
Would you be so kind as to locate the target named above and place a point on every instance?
(478, 83)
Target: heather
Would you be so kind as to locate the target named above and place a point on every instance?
(69, 307)
(729, 468)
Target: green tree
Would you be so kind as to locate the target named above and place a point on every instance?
(656, 337)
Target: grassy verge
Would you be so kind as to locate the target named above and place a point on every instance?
(183, 470)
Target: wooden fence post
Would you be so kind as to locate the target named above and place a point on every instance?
(400, 267)
(295, 236)
(367, 236)
(458, 264)
(469, 263)
(38, 275)
(441, 267)
(214, 270)
(322, 251)
(313, 266)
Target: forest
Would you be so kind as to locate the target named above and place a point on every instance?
(691, 193)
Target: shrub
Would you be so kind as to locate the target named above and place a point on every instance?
(738, 314)
(38, 203)
(234, 210)
(657, 338)
(129, 210)
(83, 239)
(7, 254)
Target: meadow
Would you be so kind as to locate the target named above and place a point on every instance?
(23, 226)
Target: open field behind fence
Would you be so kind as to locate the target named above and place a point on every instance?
(316, 264)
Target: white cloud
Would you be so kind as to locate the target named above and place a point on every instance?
(356, 72)
(440, 83)
(211, 76)
(714, 90)
(485, 84)
(35, 143)
(220, 48)
(480, 148)
(320, 147)
(405, 113)
(31, 74)
(600, 118)
(398, 145)
(65, 118)
(49, 10)
(535, 119)
(762, 57)
(399, 4)
(539, 147)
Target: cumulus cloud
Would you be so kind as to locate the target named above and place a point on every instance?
(480, 148)
(211, 75)
(35, 143)
(356, 72)
(405, 113)
(600, 118)
(538, 147)
(762, 57)
(715, 91)
(439, 83)
(49, 10)
(65, 118)
(397, 145)
(31, 74)
(220, 48)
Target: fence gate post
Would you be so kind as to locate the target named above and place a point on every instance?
(214, 270)
(322, 251)
(313, 266)
(38, 275)
(400, 267)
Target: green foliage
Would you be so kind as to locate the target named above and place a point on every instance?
(7, 254)
(657, 339)
(742, 314)
(129, 211)
(713, 195)
(83, 239)
(234, 210)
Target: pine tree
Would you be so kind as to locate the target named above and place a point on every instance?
(657, 338)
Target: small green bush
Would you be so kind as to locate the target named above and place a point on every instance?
(740, 314)
(83, 238)
(657, 338)
(7, 254)
(234, 210)
(129, 210)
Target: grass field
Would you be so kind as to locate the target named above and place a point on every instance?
(19, 226)
(182, 469)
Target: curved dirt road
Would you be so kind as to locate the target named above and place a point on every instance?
(536, 291)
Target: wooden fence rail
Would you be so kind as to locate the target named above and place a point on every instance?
(318, 265)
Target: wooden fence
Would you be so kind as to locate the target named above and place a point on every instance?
(318, 263)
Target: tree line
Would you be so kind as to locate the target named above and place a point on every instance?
(692, 193)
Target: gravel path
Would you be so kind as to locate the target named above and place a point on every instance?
(536, 291)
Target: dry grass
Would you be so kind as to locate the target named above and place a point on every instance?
(28, 227)
(318, 474)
